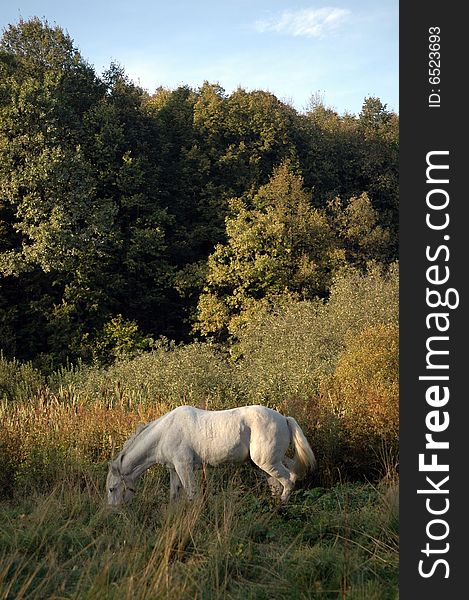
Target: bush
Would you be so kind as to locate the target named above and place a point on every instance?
(365, 385)
(364, 395)
(119, 338)
(289, 350)
(195, 373)
(18, 381)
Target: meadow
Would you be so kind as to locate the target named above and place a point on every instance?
(332, 366)
(58, 540)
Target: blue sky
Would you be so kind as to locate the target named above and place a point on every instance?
(346, 49)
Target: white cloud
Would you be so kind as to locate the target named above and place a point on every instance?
(311, 22)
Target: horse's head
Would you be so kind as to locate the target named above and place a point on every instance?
(120, 488)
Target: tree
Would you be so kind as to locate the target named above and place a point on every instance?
(80, 206)
(328, 149)
(46, 187)
(278, 245)
(213, 146)
(379, 164)
(346, 156)
(357, 226)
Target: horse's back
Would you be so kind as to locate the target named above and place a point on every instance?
(231, 434)
(251, 415)
(212, 437)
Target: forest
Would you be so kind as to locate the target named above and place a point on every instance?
(191, 246)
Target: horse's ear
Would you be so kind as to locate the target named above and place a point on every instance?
(119, 462)
(113, 466)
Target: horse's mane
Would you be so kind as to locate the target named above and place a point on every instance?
(134, 436)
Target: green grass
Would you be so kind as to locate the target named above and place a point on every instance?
(233, 541)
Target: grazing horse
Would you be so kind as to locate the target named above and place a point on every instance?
(188, 437)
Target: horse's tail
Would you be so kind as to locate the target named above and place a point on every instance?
(304, 459)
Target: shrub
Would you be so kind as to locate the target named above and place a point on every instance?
(195, 373)
(364, 393)
(18, 380)
(119, 338)
(289, 349)
(365, 383)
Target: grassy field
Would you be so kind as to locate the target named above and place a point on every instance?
(233, 541)
(58, 540)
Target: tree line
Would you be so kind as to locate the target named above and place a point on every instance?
(127, 216)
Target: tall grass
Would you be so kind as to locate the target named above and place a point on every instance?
(185, 374)
(230, 542)
(18, 381)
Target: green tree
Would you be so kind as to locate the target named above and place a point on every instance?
(328, 149)
(357, 226)
(346, 156)
(184, 172)
(80, 206)
(379, 164)
(278, 245)
(49, 212)
(213, 146)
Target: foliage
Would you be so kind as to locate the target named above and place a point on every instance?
(79, 216)
(364, 390)
(120, 338)
(278, 244)
(18, 381)
(169, 375)
(343, 156)
(287, 351)
(357, 226)
(114, 202)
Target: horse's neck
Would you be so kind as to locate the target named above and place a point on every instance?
(143, 453)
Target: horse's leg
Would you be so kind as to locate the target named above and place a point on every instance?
(280, 475)
(174, 484)
(274, 485)
(185, 473)
(268, 453)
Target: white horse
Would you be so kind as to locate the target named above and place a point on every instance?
(188, 437)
